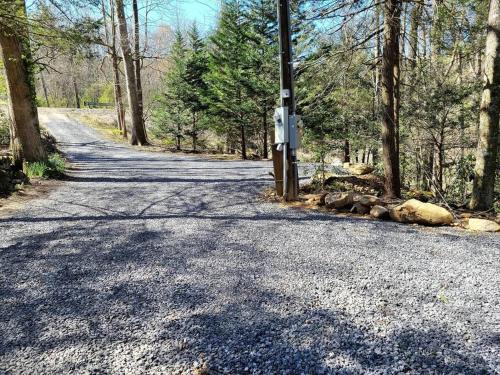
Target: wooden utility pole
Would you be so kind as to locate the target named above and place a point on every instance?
(285, 156)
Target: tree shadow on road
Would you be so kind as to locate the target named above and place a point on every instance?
(160, 298)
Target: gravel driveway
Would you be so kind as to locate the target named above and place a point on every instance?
(148, 263)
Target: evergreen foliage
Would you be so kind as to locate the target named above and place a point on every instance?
(231, 86)
(171, 116)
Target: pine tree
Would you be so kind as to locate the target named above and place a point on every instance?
(195, 68)
(229, 79)
(264, 41)
(171, 118)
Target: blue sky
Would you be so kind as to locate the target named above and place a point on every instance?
(204, 12)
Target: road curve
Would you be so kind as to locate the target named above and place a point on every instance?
(150, 263)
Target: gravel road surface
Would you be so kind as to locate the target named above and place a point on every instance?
(150, 263)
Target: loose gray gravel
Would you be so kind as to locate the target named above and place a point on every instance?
(149, 263)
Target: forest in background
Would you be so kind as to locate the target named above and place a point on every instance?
(218, 89)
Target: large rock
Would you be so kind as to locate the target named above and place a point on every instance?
(339, 200)
(416, 212)
(360, 169)
(483, 225)
(359, 208)
(379, 212)
(368, 200)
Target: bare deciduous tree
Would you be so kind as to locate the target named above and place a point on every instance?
(26, 143)
(487, 149)
(138, 133)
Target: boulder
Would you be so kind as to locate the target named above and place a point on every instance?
(483, 225)
(421, 195)
(339, 200)
(416, 212)
(360, 169)
(313, 198)
(322, 199)
(379, 212)
(359, 208)
(369, 200)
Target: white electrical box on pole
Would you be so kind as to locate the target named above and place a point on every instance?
(286, 120)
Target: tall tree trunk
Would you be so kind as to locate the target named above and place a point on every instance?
(347, 151)
(120, 110)
(479, 64)
(375, 155)
(413, 37)
(44, 88)
(137, 64)
(378, 60)
(178, 135)
(75, 90)
(462, 178)
(427, 166)
(389, 61)
(440, 148)
(243, 142)
(487, 149)
(26, 143)
(265, 127)
(138, 134)
(397, 79)
(194, 132)
(117, 87)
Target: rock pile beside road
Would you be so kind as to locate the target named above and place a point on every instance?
(10, 177)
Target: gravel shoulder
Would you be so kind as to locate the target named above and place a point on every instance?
(151, 263)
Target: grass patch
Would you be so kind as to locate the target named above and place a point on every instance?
(107, 128)
(53, 168)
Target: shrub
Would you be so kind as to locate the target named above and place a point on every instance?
(53, 167)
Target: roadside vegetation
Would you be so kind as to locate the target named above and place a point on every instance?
(14, 179)
(52, 168)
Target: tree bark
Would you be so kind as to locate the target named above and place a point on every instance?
(487, 148)
(26, 142)
(75, 90)
(194, 135)
(427, 168)
(374, 155)
(265, 151)
(413, 37)
(389, 61)
(243, 142)
(137, 64)
(44, 87)
(120, 110)
(117, 87)
(377, 65)
(347, 151)
(138, 134)
(397, 77)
